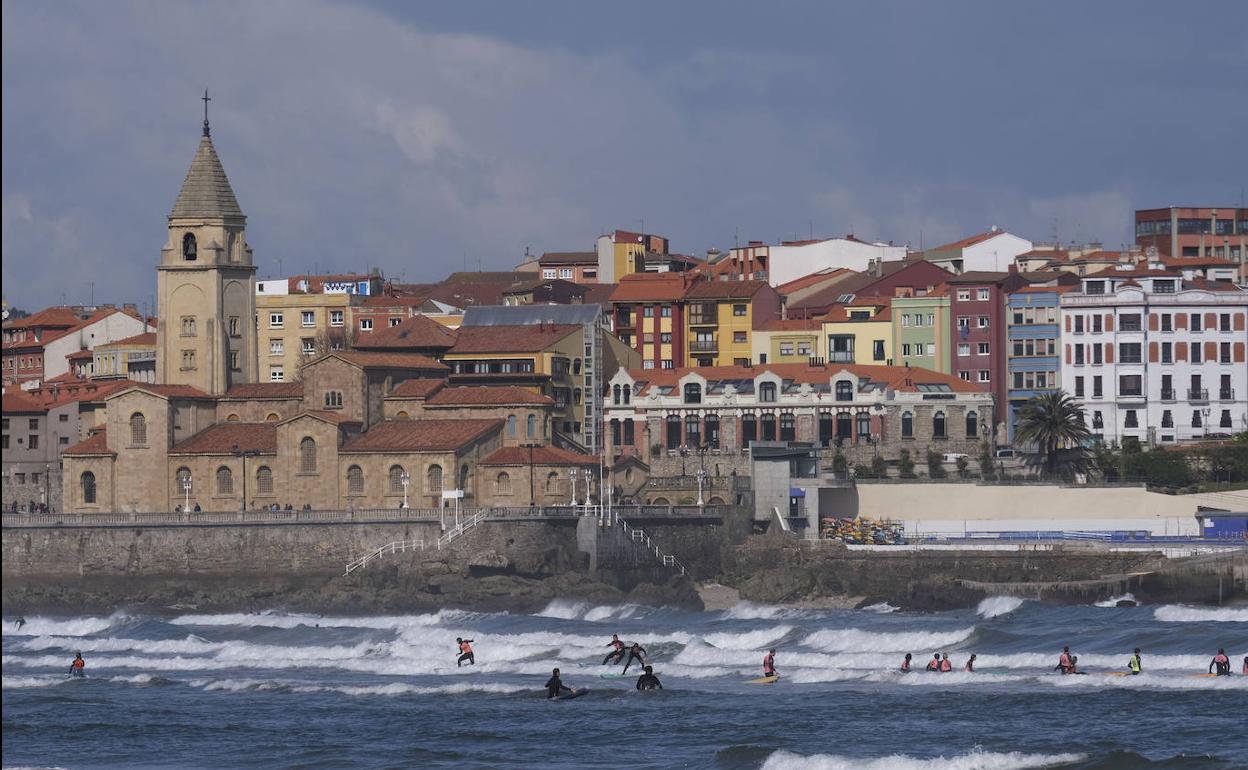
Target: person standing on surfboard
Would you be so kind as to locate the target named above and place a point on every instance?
(769, 664)
(77, 668)
(465, 652)
(1222, 663)
(617, 652)
(637, 653)
(555, 686)
(1134, 665)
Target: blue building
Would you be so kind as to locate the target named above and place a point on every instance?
(1033, 346)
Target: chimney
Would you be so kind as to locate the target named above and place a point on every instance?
(1013, 267)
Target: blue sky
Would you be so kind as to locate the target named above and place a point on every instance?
(423, 137)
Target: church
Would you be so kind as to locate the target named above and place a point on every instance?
(358, 429)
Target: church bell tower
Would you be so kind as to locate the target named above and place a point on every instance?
(206, 332)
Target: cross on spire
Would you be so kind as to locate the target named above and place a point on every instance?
(206, 98)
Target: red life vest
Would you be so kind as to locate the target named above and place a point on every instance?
(769, 663)
(945, 665)
(465, 647)
(78, 663)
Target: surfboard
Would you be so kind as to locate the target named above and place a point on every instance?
(764, 680)
(1116, 673)
(573, 694)
(614, 676)
(1203, 676)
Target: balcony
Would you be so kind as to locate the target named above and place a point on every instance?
(624, 321)
(1168, 395)
(703, 346)
(1197, 394)
(841, 357)
(703, 319)
(1226, 394)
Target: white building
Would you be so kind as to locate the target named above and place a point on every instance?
(1155, 356)
(789, 260)
(994, 251)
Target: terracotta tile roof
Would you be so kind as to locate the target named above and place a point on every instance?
(223, 437)
(1039, 289)
(168, 391)
(542, 455)
(650, 287)
(266, 390)
(384, 360)
(598, 293)
(827, 274)
(839, 313)
(725, 289)
(96, 444)
(416, 333)
(793, 324)
(57, 391)
(420, 435)
(81, 355)
(529, 338)
(143, 340)
(487, 395)
(1207, 285)
(17, 402)
(1180, 262)
(503, 277)
(1136, 271)
(969, 241)
(419, 387)
(63, 317)
(898, 378)
(551, 258)
(328, 415)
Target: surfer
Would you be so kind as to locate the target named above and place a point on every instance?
(1134, 665)
(637, 653)
(905, 664)
(617, 652)
(934, 663)
(21, 621)
(555, 686)
(1074, 666)
(1063, 662)
(1221, 662)
(1246, 665)
(77, 667)
(970, 664)
(465, 652)
(945, 664)
(648, 681)
(769, 664)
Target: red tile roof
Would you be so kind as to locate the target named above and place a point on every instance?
(650, 287)
(528, 338)
(827, 274)
(542, 455)
(387, 360)
(328, 415)
(598, 293)
(969, 241)
(420, 435)
(487, 395)
(259, 390)
(224, 437)
(168, 391)
(96, 444)
(416, 333)
(417, 388)
(17, 402)
(899, 378)
(63, 317)
(144, 339)
(793, 325)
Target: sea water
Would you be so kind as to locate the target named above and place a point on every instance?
(280, 690)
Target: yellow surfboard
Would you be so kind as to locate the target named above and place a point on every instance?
(764, 680)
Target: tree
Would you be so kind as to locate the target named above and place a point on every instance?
(905, 465)
(985, 460)
(1054, 425)
(1107, 462)
(879, 468)
(862, 471)
(840, 466)
(963, 463)
(935, 465)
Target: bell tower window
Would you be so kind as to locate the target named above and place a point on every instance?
(189, 252)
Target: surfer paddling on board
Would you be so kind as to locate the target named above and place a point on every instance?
(769, 664)
(465, 652)
(1221, 662)
(78, 667)
(648, 681)
(617, 651)
(555, 686)
(637, 653)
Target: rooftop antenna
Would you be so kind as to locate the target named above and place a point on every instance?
(206, 99)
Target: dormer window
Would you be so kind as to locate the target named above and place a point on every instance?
(1163, 287)
(767, 392)
(1096, 287)
(189, 251)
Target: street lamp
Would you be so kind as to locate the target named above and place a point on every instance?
(405, 479)
(186, 488)
(572, 477)
(244, 454)
(589, 478)
(701, 474)
(1204, 422)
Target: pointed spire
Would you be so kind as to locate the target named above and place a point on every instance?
(206, 193)
(207, 99)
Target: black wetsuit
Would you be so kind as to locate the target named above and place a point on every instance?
(555, 688)
(649, 682)
(635, 653)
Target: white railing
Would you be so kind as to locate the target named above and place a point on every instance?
(460, 527)
(398, 546)
(640, 536)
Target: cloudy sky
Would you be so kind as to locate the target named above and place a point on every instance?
(422, 137)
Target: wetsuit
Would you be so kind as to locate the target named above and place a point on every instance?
(635, 653)
(1222, 663)
(465, 650)
(76, 668)
(617, 653)
(1134, 665)
(555, 688)
(649, 682)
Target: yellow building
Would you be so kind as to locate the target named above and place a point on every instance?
(722, 317)
(791, 341)
(295, 327)
(859, 333)
(623, 253)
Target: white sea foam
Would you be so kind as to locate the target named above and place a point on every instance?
(1113, 600)
(747, 640)
(751, 611)
(1181, 613)
(995, 606)
(564, 609)
(295, 620)
(387, 689)
(1151, 682)
(41, 626)
(975, 760)
(28, 682)
(856, 640)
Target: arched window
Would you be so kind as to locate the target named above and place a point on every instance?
(615, 394)
(576, 366)
(232, 418)
(552, 483)
(307, 455)
(189, 252)
(615, 433)
(138, 429)
(863, 429)
(88, 487)
(844, 391)
(576, 396)
(396, 479)
(712, 431)
(769, 427)
(693, 431)
(511, 425)
(355, 480)
(401, 415)
(972, 424)
(532, 426)
(629, 437)
(767, 392)
(693, 393)
(464, 476)
(628, 393)
(183, 477)
(844, 426)
(225, 481)
(272, 417)
(264, 480)
(907, 425)
(938, 425)
(788, 431)
(502, 484)
(433, 479)
(749, 429)
(673, 431)
(825, 429)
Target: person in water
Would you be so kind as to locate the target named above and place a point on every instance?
(1221, 662)
(637, 653)
(905, 664)
(1074, 666)
(934, 663)
(970, 664)
(1246, 665)
(769, 664)
(617, 652)
(648, 681)
(1063, 662)
(465, 653)
(21, 621)
(555, 686)
(77, 668)
(1134, 665)
(946, 665)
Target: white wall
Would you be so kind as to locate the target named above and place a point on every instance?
(996, 253)
(787, 263)
(113, 327)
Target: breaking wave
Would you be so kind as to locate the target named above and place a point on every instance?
(975, 760)
(1113, 600)
(1181, 613)
(41, 626)
(856, 640)
(995, 606)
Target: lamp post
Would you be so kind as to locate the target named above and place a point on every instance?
(572, 478)
(589, 478)
(244, 454)
(186, 489)
(1204, 422)
(405, 479)
(701, 474)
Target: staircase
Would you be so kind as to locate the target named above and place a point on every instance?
(460, 528)
(640, 536)
(398, 546)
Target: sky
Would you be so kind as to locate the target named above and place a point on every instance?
(423, 138)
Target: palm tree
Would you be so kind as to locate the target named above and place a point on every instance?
(1053, 423)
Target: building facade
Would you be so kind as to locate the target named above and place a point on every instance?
(1033, 346)
(921, 331)
(1194, 231)
(994, 250)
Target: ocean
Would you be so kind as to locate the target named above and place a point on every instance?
(279, 690)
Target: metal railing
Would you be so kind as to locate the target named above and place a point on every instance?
(1197, 394)
(640, 536)
(703, 346)
(1168, 395)
(1226, 394)
(398, 546)
(460, 527)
